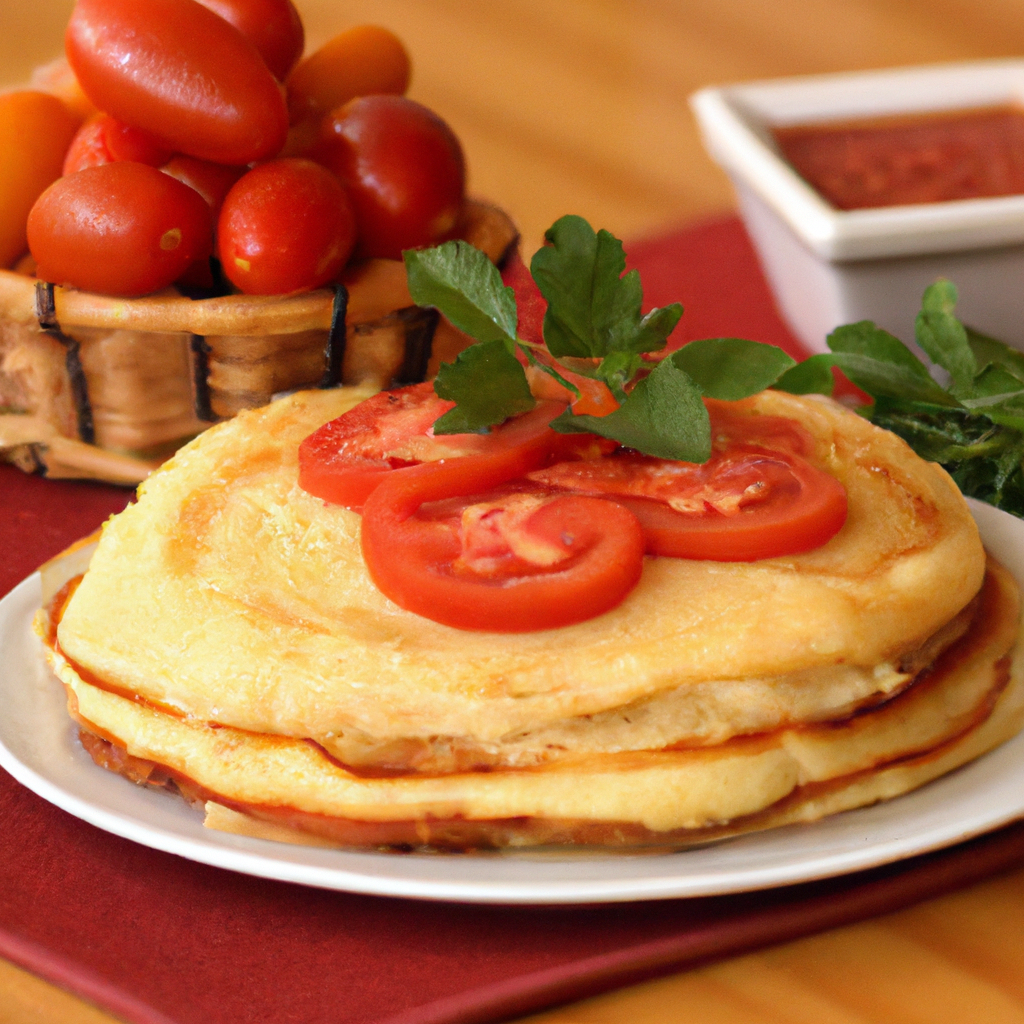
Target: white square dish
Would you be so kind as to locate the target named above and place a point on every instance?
(829, 266)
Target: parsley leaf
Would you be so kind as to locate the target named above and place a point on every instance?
(732, 368)
(488, 384)
(466, 287)
(662, 416)
(593, 308)
(974, 428)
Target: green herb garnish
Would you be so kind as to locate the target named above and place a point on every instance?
(973, 424)
(594, 328)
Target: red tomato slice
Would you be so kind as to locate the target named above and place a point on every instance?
(756, 497)
(768, 505)
(348, 457)
(555, 561)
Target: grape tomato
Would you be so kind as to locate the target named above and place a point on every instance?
(272, 26)
(180, 72)
(360, 61)
(120, 229)
(212, 181)
(105, 140)
(285, 226)
(403, 168)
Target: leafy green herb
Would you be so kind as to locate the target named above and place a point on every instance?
(489, 386)
(593, 328)
(974, 427)
(662, 416)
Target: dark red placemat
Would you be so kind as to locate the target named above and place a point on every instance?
(154, 938)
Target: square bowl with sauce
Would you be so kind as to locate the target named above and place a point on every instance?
(859, 190)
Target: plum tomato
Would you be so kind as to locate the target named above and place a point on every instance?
(285, 226)
(272, 26)
(212, 181)
(121, 229)
(105, 140)
(403, 169)
(180, 72)
(35, 130)
(360, 61)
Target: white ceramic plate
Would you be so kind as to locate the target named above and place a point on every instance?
(38, 746)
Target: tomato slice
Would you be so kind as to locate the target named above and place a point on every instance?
(348, 457)
(741, 506)
(512, 563)
(756, 497)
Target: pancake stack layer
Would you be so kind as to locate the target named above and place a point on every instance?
(228, 641)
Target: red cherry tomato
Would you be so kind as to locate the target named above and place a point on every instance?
(212, 181)
(272, 26)
(105, 140)
(122, 229)
(560, 560)
(285, 226)
(348, 457)
(403, 168)
(180, 72)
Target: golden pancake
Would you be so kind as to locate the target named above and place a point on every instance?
(971, 700)
(228, 637)
(230, 595)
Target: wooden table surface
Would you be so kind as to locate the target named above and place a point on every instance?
(581, 106)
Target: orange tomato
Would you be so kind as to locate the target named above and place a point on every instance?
(58, 78)
(35, 131)
(360, 61)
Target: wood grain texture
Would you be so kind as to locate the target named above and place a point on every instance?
(581, 106)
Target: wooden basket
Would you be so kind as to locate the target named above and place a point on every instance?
(105, 388)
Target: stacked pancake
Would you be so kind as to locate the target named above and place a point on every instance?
(228, 641)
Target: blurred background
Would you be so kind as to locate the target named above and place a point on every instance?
(581, 105)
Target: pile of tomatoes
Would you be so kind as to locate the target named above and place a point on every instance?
(207, 135)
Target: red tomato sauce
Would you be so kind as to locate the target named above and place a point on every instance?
(895, 161)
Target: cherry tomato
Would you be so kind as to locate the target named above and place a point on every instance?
(104, 140)
(272, 26)
(212, 181)
(543, 562)
(403, 168)
(360, 61)
(121, 229)
(35, 130)
(180, 72)
(285, 226)
(348, 457)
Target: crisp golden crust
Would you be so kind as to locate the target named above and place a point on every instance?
(971, 700)
(229, 594)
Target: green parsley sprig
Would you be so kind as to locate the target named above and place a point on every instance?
(593, 327)
(965, 411)
(973, 424)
